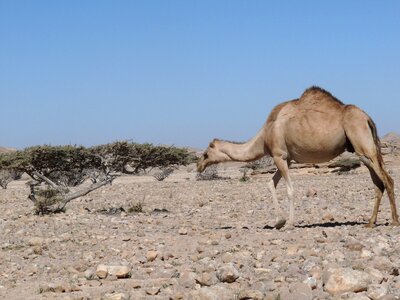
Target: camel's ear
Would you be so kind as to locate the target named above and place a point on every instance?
(212, 144)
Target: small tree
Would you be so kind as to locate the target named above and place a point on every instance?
(8, 175)
(55, 169)
(133, 158)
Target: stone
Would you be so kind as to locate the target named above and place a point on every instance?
(227, 273)
(382, 263)
(151, 255)
(36, 241)
(341, 280)
(119, 271)
(376, 275)
(152, 290)
(311, 193)
(89, 274)
(311, 282)
(118, 296)
(292, 249)
(212, 293)
(251, 294)
(206, 279)
(187, 279)
(301, 291)
(377, 291)
(102, 271)
(358, 296)
(183, 231)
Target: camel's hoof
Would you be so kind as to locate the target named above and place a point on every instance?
(280, 223)
(370, 225)
(288, 226)
(395, 223)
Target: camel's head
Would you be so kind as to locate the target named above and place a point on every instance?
(212, 155)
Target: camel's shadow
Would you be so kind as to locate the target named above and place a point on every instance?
(329, 225)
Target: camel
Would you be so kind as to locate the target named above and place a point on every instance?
(315, 128)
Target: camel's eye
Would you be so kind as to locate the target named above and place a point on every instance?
(205, 155)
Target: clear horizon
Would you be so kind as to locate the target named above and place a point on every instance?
(183, 72)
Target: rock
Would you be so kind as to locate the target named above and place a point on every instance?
(382, 263)
(311, 193)
(102, 271)
(377, 291)
(152, 290)
(151, 255)
(183, 231)
(292, 249)
(354, 246)
(118, 296)
(311, 282)
(89, 274)
(119, 271)
(60, 287)
(212, 293)
(301, 291)
(358, 296)
(36, 241)
(376, 275)
(227, 273)
(341, 280)
(251, 294)
(328, 218)
(206, 279)
(187, 279)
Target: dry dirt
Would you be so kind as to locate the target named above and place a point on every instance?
(202, 240)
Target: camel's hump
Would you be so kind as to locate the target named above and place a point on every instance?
(316, 93)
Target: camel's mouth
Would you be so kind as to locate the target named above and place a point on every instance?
(200, 166)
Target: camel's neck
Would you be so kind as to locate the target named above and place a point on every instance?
(249, 151)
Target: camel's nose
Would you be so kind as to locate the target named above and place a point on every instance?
(200, 166)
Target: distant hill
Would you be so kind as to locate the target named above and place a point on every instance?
(391, 138)
(391, 143)
(6, 150)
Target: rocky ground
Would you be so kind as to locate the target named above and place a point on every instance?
(187, 239)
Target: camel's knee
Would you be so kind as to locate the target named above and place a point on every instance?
(366, 161)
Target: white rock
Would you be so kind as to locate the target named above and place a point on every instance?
(227, 273)
(377, 291)
(342, 280)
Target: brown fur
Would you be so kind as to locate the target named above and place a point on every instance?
(315, 128)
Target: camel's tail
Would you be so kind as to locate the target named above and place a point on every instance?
(377, 141)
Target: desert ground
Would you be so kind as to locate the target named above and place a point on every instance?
(182, 238)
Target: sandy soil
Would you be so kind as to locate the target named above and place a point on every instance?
(202, 240)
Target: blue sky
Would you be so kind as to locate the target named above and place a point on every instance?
(184, 72)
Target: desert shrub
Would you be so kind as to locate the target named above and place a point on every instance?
(60, 167)
(46, 197)
(165, 172)
(261, 163)
(210, 173)
(345, 164)
(139, 157)
(244, 177)
(136, 208)
(64, 165)
(8, 175)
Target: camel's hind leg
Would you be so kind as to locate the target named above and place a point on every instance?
(382, 181)
(280, 220)
(361, 132)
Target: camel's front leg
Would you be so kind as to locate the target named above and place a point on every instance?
(280, 220)
(283, 166)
